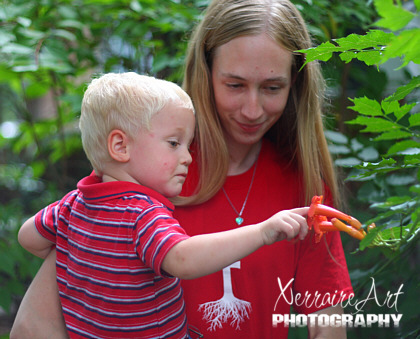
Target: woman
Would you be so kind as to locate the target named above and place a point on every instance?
(259, 148)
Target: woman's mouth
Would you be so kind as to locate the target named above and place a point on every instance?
(250, 128)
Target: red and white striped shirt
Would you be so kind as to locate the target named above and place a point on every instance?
(111, 239)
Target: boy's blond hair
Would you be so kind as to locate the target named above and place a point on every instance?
(125, 101)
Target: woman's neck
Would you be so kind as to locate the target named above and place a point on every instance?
(242, 157)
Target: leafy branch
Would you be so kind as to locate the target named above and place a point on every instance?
(393, 123)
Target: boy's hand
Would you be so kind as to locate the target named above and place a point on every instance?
(286, 224)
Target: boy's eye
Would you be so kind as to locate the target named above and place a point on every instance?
(173, 143)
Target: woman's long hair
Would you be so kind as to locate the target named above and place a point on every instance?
(298, 134)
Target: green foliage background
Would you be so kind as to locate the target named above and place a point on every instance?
(49, 50)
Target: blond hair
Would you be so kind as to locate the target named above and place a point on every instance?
(125, 101)
(299, 133)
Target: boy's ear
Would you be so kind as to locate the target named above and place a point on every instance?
(118, 146)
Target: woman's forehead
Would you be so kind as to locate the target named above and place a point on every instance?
(253, 56)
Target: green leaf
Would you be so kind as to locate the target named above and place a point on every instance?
(368, 154)
(25, 22)
(338, 149)
(6, 38)
(366, 48)
(347, 162)
(322, 52)
(369, 171)
(348, 56)
(394, 17)
(414, 119)
(402, 146)
(356, 145)
(373, 124)
(52, 59)
(376, 165)
(25, 68)
(393, 202)
(135, 6)
(17, 49)
(395, 232)
(400, 180)
(412, 160)
(403, 110)
(162, 61)
(372, 39)
(403, 91)
(370, 57)
(32, 34)
(390, 106)
(336, 137)
(418, 175)
(369, 238)
(38, 168)
(70, 24)
(366, 106)
(393, 135)
(62, 33)
(37, 90)
(413, 152)
(406, 46)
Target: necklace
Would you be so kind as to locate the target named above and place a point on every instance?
(239, 220)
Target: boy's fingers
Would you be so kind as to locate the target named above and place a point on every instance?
(303, 232)
(303, 211)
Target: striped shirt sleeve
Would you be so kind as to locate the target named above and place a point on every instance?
(46, 220)
(156, 233)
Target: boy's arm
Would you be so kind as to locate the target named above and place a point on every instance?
(32, 241)
(208, 253)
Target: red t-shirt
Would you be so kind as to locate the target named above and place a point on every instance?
(239, 302)
(111, 239)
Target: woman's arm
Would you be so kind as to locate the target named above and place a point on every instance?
(327, 332)
(30, 239)
(40, 314)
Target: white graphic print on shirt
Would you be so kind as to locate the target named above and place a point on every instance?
(218, 312)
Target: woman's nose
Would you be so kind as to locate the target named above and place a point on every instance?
(252, 108)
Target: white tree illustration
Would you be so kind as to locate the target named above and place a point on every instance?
(228, 307)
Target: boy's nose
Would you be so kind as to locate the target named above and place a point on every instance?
(186, 158)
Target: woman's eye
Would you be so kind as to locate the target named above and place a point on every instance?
(233, 85)
(273, 88)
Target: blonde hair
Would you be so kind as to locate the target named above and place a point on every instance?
(299, 133)
(125, 101)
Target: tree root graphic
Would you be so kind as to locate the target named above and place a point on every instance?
(220, 311)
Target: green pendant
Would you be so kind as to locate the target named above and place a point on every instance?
(239, 220)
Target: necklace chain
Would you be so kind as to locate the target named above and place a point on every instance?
(239, 220)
